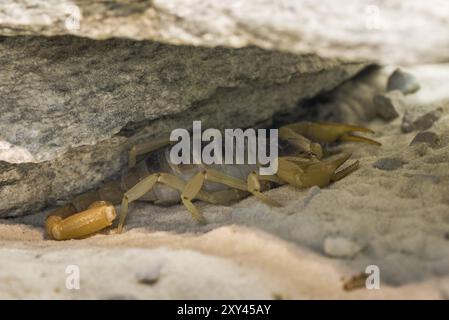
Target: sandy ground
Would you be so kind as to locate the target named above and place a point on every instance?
(398, 218)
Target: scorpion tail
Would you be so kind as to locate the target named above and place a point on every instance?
(97, 217)
(86, 214)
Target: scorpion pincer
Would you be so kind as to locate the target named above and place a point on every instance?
(301, 164)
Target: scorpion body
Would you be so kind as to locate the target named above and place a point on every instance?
(159, 162)
(156, 179)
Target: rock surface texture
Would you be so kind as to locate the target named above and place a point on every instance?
(394, 30)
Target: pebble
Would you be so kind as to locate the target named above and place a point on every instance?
(341, 247)
(428, 137)
(417, 119)
(389, 105)
(389, 164)
(403, 81)
(150, 276)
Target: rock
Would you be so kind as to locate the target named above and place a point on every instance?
(390, 31)
(420, 118)
(108, 273)
(340, 247)
(389, 105)
(74, 92)
(352, 102)
(389, 164)
(149, 276)
(428, 137)
(71, 108)
(403, 81)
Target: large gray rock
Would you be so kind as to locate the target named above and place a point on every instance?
(394, 30)
(71, 108)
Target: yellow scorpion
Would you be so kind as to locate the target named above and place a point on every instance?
(301, 164)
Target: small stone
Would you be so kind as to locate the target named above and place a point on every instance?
(419, 119)
(389, 105)
(403, 81)
(388, 164)
(150, 276)
(341, 247)
(428, 137)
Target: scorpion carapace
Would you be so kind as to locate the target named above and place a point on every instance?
(158, 180)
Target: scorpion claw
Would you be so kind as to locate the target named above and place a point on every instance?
(344, 172)
(337, 160)
(330, 132)
(315, 173)
(354, 138)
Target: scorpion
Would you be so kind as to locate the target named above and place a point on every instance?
(301, 163)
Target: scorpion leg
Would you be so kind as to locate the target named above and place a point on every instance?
(328, 132)
(254, 187)
(223, 196)
(135, 193)
(193, 190)
(346, 171)
(146, 185)
(190, 191)
(144, 148)
(196, 183)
